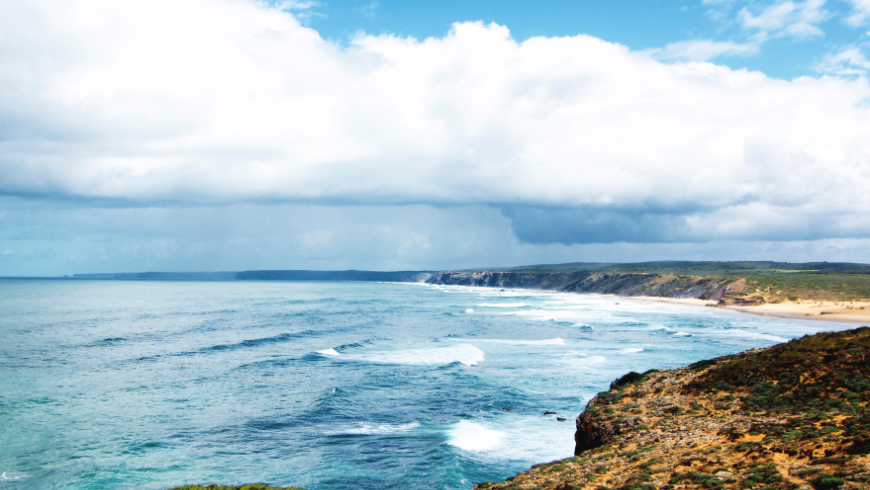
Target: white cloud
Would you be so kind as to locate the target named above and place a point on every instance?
(204, 101)
(860, 12)
(296, 4)
(703, 50)
(787, 18)
(369, 10)
(849, 61)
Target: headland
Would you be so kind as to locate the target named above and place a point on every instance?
(821, 290)
(793, 416)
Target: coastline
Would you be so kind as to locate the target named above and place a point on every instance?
(831, 311)
(855, 312)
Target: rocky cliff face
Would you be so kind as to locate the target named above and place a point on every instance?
(793, 416)
(624, 284)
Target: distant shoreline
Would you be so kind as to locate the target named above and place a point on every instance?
(816, 291)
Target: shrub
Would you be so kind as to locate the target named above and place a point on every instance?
(826, 482)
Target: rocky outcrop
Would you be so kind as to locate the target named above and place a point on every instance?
(711, 288)
(793, 416)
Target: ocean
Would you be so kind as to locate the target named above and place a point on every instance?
(322, 385)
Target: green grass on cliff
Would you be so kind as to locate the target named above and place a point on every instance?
(822, 372)
(814, 380)
(816, 286)
(777, 281)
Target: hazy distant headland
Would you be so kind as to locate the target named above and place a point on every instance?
(270, 275)
(839, 290)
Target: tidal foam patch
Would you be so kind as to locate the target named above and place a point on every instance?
(631, 350)
(472, 436)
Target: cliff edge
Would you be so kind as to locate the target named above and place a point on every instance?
(792, 416)
(723, 290)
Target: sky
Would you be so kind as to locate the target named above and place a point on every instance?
(209, 135)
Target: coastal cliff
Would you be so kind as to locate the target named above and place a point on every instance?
(725, 290)
(792, 416)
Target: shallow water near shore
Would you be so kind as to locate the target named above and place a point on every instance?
(148, 385)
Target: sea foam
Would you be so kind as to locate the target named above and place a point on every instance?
(379, 429)
(631, 350)
(7, 477)
(472, 436)
(585, 361)
(751, 335)
(464, 353)
(502, 305)
(556, 341)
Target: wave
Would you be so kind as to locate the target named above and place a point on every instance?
(328, 352)
(245, 344)
(379, 429)
(659, 328)
(472, 436)
(669, 331)
(631, 350)
(465, 353)
(556, 341)
(107, 341)
(751, 335)
(502, 305)
(7, 477)
(585, 361)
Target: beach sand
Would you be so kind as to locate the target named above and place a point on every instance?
(822, 310)
(855, 311)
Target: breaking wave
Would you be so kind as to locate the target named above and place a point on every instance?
(466, 354)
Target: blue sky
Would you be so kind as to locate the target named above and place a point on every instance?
(203, 135)
(825, 27)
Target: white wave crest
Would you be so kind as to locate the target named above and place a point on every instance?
(682, 334)
(631, 350)
(659, 328)
(556, 341)
(470, 310)
(751, 335)
(586, 361)
(380, 429)
(328, 352)
(7, 477)
(471, 436)
(502, 305)
(465, 353)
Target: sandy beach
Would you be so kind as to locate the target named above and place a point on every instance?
(855, 311)
(821, 310)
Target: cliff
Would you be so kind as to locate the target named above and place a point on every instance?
(714, 288)
(792, 416)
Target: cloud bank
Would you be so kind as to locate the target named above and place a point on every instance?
(575, 139)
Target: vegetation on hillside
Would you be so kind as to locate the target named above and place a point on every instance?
(793, 416)
(767, 282)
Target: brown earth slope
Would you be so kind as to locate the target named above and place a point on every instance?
(792, 416)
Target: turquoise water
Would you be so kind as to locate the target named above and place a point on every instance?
(147, 385)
